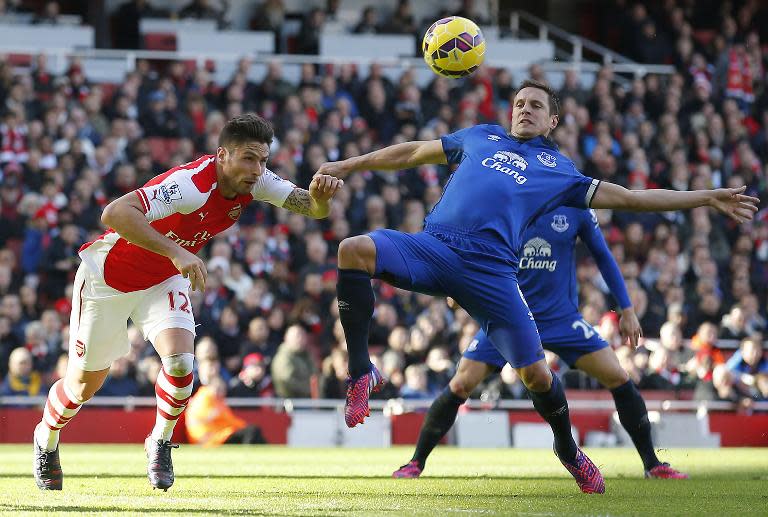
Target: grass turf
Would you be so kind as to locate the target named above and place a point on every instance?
(269, 480)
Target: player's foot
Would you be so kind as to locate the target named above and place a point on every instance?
(48, 474)
(409, 470)
(358, 391)
(586, 474)
(160, 466)
(665, 471)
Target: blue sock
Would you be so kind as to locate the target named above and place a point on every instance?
(356, 301)
(553, 407)
(634, 418)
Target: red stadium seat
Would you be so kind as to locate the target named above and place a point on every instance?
(160, 41)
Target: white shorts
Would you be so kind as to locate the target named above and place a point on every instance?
(98, 326)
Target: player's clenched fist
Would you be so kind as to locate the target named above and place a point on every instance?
(337, 169)
(190, 266)
(323, 187)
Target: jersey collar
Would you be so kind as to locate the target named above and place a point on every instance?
(537, 141)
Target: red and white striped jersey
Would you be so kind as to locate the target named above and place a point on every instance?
(185, 205)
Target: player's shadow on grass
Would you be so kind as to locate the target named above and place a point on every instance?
(120, 509)
(17, 475)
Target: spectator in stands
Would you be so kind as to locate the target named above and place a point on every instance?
(706, 354)
(293, 368)
(204, 10)
(720, 388)
(416, 383)
(401, 21)
(333, 375)
(369, 21)
(121, 381)
(253, 380)
(505, 386)
(734, 324)
(308, 39)
(210, 422)
(749, 367)
(49, 15)
(126, 22)
(22, 379)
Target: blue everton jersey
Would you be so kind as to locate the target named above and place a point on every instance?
(499, 187)
(547, 271)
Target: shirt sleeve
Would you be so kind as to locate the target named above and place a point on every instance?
(590, 233)
(580, 191)
(453, 145)
(272, 188)
(175, 194)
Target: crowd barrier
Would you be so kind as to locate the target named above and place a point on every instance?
(319, 422)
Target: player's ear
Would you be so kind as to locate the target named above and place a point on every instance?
(553, 122)
(222, 154)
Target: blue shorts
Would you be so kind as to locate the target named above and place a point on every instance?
(455, 266)
(570, 338)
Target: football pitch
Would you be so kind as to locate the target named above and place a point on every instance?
(271, 480)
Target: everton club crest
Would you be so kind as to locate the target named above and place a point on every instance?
(559, 223)
(547, 159)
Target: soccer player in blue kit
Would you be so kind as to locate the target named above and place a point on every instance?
(547, 278)
(469, 247)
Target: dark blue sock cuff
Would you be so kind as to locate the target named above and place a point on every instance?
(354, 274)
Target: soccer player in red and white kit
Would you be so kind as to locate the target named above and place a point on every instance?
(143, 268)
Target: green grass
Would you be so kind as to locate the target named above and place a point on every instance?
(280, 481)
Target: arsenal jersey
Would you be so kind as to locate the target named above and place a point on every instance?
(185, 205)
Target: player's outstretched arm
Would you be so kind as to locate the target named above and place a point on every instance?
(126, 216)
(395, 157)
(729, 201)
(315, 202)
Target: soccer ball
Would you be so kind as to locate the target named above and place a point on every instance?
(454, 47)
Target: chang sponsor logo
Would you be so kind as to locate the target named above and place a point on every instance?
(504, 161)
(536, 255)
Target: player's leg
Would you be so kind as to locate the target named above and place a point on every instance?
(65, 399)
(498, 304)
(96, 339)
(357, 264)
(442, 413)
(165, 317)
(417, 262)
(604, 366)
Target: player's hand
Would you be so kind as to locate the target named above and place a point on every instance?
(192, 267)
(323, 187)
(630, 329)
(733, 203)
(337, 169)
(452, 303)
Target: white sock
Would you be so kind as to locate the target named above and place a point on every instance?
(59, 409)
(172, 391)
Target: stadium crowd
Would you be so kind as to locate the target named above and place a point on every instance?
(268, 322)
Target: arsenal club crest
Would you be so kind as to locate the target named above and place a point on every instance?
(559, 223)
(235, 212)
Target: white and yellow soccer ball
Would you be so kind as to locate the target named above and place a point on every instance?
(454, 47)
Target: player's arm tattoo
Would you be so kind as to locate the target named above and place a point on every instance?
(299, 201)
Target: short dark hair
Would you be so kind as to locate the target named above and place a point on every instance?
(554, 102)
(245, 128)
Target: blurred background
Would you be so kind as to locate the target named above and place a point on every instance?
(98, 97)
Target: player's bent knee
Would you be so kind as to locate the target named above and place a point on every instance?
(461, 388)
(358, 252)
(178, 365)
(615, 379)
(536, 379)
